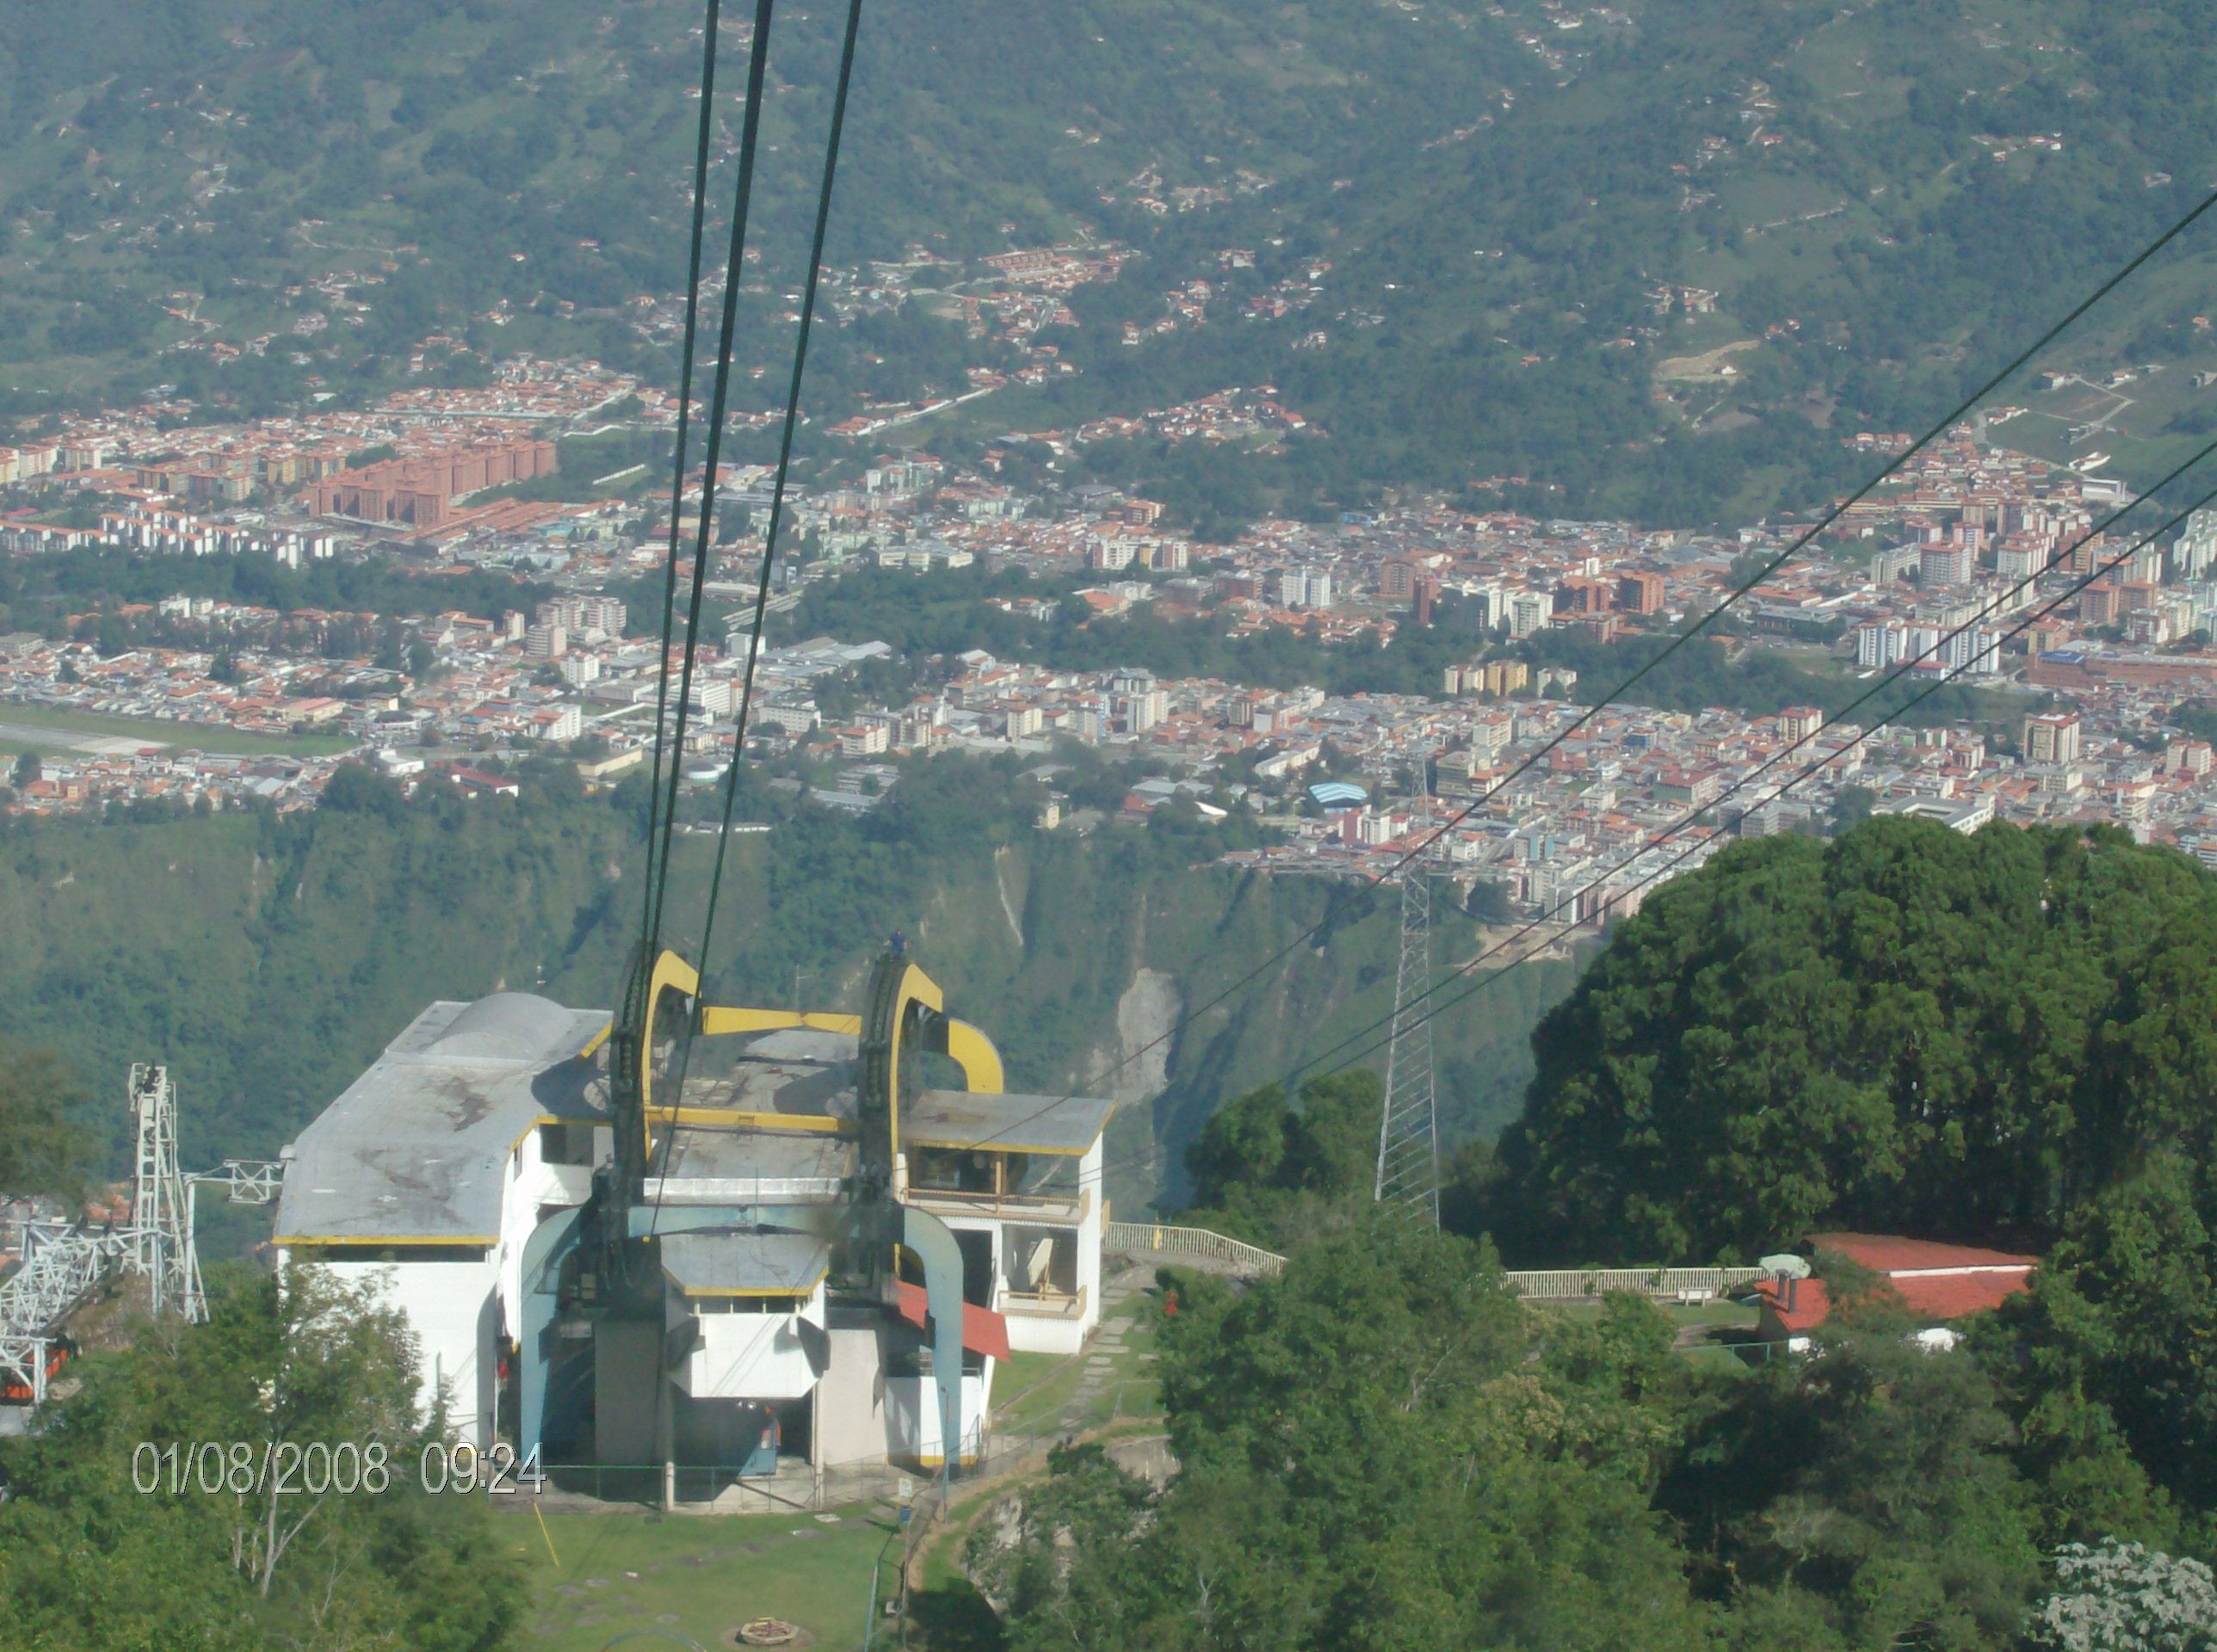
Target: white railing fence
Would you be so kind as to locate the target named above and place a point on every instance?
(1145, 1241)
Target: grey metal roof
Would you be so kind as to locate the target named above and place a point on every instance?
(755, 1085)
(414, 1150)
(804, 1044)
(745, 1264)
(1011, 1124)
(712, 1165)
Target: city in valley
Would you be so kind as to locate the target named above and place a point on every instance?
(1955, 572)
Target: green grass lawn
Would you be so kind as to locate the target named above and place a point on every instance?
(1040, 1393)
(1015, 1376)
(181, 736)
(699, 1576)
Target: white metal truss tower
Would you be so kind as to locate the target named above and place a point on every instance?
(161, 1235)
(65, 1263)
(1409, 1130)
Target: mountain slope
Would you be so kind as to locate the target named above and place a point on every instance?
(1870, 206)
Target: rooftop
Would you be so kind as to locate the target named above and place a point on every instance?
(1015, 1124)
(758, 1263)
(414, 1150)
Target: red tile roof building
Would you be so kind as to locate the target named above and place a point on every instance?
(1936, 1282)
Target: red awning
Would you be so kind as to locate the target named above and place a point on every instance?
(984, 1331)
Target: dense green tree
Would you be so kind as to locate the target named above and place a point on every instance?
(1272, 1170)
(95, 1559)
(43, 1148)
(1869, 1493)
(1378, 1452)
(2110, 1361)
(1905, 1029)
(358, 789)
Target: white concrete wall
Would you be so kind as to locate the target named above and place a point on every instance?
(1041, 1333)
(851, 1422)
(529, 1185)
(748, 1356)
(912, 1415)
(1089, 1237)
(451, 1309)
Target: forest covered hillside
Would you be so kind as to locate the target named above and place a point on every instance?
(268, 960)
(1652, 258)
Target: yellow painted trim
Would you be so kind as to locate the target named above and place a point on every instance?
(801, 1295)
(717, 1019)
(455, 1241)
(972, 1051)
(599, 1039)
(807, 1124)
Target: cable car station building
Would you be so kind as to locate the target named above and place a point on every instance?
(815, 1264)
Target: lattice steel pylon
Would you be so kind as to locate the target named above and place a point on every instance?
(161, 1234)
(1408, 1126)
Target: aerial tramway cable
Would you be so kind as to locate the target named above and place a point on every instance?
(784, 458)
(770, 540)
(734, 271)
(1337, 907)
(650, 917)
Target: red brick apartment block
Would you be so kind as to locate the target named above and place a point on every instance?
(418, 489)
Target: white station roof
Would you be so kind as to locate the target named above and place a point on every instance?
(414, 1151)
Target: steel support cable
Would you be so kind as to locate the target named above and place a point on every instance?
(770, 537)
(1335, 909)
(1296, 1074)
(2038, 613)
(649, 917)
(734, 271)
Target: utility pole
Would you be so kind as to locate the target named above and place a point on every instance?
(1408, 1127)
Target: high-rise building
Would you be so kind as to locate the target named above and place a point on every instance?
(1946, 562)
(2195, 550)
(2052, 737)
(544, 641)
(1879, 642)
(1640, 593)
(1305, 587)
(1424, 598)
(579, 615)
(1529, 612)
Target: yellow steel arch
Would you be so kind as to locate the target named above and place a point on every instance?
(914, 987)
(966, 1045)
(974, 1052)
(671, 974)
